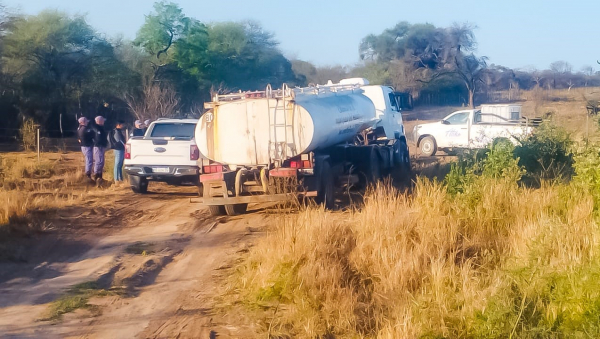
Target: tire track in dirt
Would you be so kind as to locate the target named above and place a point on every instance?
(164, 220)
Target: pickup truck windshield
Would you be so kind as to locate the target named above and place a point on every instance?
(458, 118)
(173, 130)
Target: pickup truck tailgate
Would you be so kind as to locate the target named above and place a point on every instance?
(160, 152)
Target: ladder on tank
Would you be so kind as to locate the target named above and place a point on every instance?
(279, 149)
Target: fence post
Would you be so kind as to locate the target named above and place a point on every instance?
(38, 144)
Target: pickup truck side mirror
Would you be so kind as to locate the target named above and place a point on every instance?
(444, 122)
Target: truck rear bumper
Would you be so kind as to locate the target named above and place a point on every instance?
(157, 172)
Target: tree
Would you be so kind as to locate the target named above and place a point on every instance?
(57, 60)
(244, 56)
(155, 101)
(470, 69)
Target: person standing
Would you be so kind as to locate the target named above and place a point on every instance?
(100, 143)
(85, 135)
(139, 130)
(117, 143)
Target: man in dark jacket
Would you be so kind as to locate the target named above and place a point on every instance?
(118, 145)
(85, 135)
(100, 144)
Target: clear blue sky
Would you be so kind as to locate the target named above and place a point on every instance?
(513, 33)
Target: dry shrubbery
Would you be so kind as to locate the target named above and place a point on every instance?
(491, 259)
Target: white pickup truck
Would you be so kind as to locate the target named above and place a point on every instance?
(167, 153)
(475, 128)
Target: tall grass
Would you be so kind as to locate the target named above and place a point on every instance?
(27, 186)
(514, 262)
(480, 255)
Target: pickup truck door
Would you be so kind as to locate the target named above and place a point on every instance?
(455, 130)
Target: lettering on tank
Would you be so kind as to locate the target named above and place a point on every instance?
(348, 118)
(351, 129)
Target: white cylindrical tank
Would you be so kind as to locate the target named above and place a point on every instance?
(253, 131)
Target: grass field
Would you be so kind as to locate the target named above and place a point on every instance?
(503, 248)
(29, 187)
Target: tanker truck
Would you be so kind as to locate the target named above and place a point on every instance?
(276, 145)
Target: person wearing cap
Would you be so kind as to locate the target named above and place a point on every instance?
(85, 136)
(100, 144)
(139, 130)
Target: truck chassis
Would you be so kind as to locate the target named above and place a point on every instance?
(314, 175)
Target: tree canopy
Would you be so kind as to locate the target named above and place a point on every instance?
(56, 66)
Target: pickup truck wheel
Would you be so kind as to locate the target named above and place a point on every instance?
(138, 184)
(236, 209)
(428, 146)
(216, 210)
(325, 190)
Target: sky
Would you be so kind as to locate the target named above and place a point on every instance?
(522, 34)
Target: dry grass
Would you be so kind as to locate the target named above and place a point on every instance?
(487, 264)
(28, 186)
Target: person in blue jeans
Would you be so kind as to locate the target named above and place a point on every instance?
(85, 136)
(118, 144)
(100, 144)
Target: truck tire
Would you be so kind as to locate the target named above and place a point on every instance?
(325, 190)
(374, 167)
(428, 146)
(216, 210)
(236, 209)
(138, 184)
(404, 161)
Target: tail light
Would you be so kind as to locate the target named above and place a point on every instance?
(213, 168)
(194, 152)
(301, 162)
(127, 151)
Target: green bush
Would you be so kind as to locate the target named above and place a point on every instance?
(494, 162)
(587, 172)
(546, 154)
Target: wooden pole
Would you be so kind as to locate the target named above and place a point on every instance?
(38, 144)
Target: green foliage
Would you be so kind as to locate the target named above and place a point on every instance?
(546, 154)
(75, 298)
(495, 162)
(536, 303)
(58, 61)
(377, 73)
(587, 172)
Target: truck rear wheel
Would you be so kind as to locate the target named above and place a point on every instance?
(138, 184)
(404, 157)
(216, 210)
(428, 146)
(236, 209)
(325, 190)
(374, 169)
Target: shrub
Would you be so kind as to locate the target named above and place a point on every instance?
(28, 132)
(587, 172)
(494, 162)
(546, 154)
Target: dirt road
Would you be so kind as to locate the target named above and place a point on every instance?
(160, 252)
